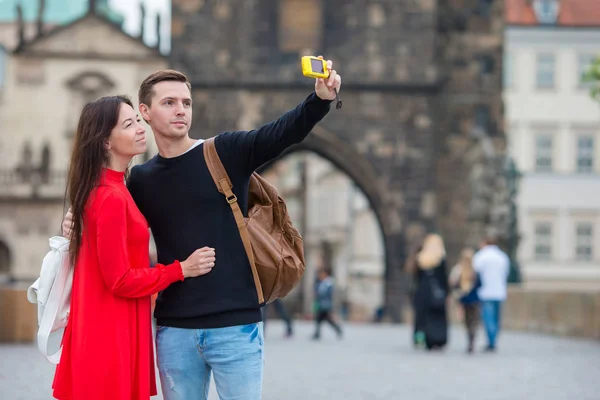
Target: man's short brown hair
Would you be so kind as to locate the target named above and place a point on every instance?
(491, 240)
(147, 87)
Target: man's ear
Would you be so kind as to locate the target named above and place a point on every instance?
(144, 112)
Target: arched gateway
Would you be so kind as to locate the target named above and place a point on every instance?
(418, 80)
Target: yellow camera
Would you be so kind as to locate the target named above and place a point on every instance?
(313, 67)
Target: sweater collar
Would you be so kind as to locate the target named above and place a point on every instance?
(112, 175)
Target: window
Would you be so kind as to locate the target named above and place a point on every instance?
(543, 241)
(486, 64)
(585, 154)
(585, 62)
(545, 71)
(507, 71)
(482, 118)
(546, 11)
(584, 237)
(300, 25)
(84, 88)
(484, 7)
(543, 153)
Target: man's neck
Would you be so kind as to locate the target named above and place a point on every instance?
(169, 148)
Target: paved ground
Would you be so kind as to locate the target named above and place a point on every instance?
(378, 362)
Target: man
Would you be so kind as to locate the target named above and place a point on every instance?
(283, 313)
(493, 267)
(324, 287)
(214, 323)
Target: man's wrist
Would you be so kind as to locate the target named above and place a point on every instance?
(183, 265)
(322, 99)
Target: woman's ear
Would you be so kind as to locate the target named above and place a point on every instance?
(107, 145)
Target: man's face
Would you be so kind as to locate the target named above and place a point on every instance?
(170, 113)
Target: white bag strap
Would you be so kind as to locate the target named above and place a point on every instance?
(52, 306)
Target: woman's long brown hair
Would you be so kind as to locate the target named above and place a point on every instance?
(89, 156)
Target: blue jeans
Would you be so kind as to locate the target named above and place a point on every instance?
(490, 313)
(186, 358)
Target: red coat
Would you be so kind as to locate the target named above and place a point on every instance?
(107, 346)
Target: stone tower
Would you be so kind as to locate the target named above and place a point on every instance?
(421, 129)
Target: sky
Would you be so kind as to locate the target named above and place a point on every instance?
(131, 10)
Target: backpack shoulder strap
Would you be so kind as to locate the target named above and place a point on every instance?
(223, 183)
(216, 168)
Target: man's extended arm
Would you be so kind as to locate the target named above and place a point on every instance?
(268, 142)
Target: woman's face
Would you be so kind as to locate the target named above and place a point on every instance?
(128, 137)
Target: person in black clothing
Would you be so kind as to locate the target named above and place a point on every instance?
(430, 294)
(324, 299)
(283, 313)
(212, 323)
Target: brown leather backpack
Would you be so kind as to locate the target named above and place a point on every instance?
(273, 245)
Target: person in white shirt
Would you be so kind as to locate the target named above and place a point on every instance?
(493, 266)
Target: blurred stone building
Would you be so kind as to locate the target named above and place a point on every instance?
(421, 131)
(554, 131)
(48, 79)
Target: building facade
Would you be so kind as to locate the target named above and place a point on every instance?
(554, 136)
(47, 81)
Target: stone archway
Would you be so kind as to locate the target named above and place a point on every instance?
(346, 158)
(402, 111)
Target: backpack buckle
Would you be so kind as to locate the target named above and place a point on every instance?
(232, 199)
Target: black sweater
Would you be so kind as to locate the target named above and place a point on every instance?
(186, 212)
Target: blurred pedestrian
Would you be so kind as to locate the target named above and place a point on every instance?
(465, 281)
(324, 295)
(281, 310)
(493, 266)
(430, 294)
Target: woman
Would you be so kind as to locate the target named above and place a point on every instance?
(465, 283)
(107, 346)
(431, 325)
